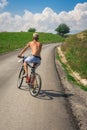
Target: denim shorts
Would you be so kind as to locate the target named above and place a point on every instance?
(33, 59)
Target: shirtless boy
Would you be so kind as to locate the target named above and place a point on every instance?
(36, 47)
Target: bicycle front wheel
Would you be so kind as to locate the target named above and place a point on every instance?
(20, 77)
(35, 86)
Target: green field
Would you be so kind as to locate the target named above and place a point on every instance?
(75, 50)
(13, 40)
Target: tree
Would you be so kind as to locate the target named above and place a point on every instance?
(31, 30)
(62, 29)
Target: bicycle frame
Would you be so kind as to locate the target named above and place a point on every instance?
(35, 79)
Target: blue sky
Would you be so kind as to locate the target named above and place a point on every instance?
(36, 6)
(44, 15)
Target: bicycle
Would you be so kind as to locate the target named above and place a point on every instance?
(34, 78)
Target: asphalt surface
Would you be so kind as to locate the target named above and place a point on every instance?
(19, 110)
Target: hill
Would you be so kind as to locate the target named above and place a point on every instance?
(13, 40)
(75, 52)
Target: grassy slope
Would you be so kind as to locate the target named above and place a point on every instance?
(12, 40)
(75, 50)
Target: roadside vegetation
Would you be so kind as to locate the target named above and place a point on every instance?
(75, 51)
(69, 75)
(10, 41)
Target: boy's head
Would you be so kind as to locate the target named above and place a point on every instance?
(35, 36)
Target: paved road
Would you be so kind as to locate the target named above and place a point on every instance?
(19, 110)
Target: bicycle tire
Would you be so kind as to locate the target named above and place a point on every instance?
(20, 77)
(35, 89)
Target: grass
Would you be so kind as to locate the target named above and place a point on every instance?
(75, 50)
(69, 76)
(10, 41)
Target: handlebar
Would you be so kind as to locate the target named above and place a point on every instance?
(21, 56)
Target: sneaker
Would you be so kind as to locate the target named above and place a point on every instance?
(27, 79)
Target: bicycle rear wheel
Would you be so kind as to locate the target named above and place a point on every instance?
(35, 87)
(20, 77)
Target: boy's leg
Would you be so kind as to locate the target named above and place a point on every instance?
(26, 68)
(26, 72)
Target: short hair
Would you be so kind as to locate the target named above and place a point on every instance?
(35, 36)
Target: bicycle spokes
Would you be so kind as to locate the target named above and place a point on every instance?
(35, 86)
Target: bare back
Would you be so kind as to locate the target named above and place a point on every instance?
(35, 47)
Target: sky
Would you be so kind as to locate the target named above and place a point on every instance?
(44, 16)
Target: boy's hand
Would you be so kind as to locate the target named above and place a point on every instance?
(19, 56)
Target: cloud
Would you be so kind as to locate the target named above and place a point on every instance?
(46, 21)
(3, 3)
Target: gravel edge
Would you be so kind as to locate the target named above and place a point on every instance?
(78, 100)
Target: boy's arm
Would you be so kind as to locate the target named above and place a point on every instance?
(24, 49)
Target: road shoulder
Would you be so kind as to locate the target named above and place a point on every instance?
(78, 100)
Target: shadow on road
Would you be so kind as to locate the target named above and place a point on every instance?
(48, 94)
(51, 94)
